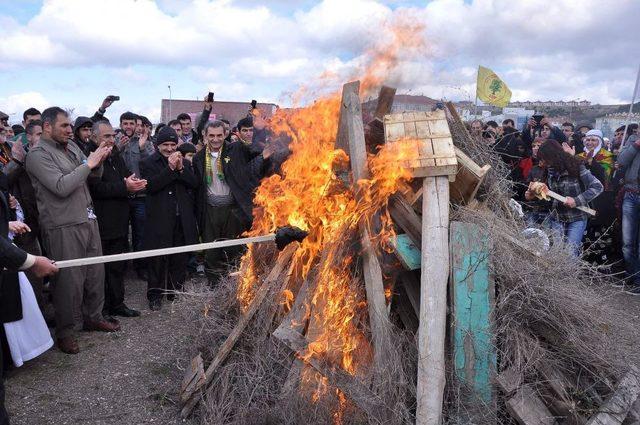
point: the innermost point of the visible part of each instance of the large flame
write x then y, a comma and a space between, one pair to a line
308, 193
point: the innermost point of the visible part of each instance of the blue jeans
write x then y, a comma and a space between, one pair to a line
572, 232
137, 218
630, 227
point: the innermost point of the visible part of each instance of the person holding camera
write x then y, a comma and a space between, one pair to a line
541, 126
170, 212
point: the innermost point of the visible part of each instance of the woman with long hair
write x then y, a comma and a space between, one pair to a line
567, 176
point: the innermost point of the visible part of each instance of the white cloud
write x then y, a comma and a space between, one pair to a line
15, 104
554, 49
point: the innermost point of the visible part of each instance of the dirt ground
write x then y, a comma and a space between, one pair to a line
132, 377
128, 377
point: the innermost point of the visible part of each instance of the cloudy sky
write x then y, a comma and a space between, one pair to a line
74, 52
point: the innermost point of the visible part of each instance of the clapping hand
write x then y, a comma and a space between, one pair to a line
134, 184
96, 157
175, 161
17, 151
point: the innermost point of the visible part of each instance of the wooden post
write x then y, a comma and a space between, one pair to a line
433, 300
472, 295
380, 325
342, 141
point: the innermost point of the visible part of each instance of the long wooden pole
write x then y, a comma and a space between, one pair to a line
633, 99
162, 251
433, 300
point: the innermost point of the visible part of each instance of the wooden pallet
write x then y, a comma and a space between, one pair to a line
429, 131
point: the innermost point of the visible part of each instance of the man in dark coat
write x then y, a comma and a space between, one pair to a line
229, 174
170, 215
21, 187
110, 196
12, 259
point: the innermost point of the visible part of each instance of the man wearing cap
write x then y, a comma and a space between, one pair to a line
59, 172
170, 213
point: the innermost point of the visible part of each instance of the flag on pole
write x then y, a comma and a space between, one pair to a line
491, 89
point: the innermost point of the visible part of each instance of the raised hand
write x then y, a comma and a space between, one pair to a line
96, 157
17, 151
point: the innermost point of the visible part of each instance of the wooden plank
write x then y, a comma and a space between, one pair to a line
472, 295
191, 399
406, 251
342, 141
405, 216
385, 101
194, 376
433, 300
361, 395
402, 304
376, 302
615, 409
411, 286
522, 401
527, 408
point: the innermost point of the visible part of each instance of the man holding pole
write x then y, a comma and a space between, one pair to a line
59, 172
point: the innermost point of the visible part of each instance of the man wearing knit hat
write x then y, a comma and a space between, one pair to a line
170, 215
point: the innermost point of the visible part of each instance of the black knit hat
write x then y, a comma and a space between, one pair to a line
166, 134
186, 148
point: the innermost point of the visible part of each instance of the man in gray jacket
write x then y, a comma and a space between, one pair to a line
629, 160
59, 172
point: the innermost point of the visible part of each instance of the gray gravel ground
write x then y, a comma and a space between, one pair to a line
130, 377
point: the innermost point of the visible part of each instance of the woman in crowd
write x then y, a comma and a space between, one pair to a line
594, 151
567, 176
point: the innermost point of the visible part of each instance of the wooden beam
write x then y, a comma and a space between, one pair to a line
191, 398
522, 401
385, 101
342, 141
376, 302
361, 395
405, 216
433, 300
615, 409
406, 251
472, 295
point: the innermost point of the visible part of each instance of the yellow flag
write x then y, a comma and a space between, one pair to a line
491, 89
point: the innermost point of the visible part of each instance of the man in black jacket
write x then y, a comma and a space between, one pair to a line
110, 197
228, 174
12, 259
169, 214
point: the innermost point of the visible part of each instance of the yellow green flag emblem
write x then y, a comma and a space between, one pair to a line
491, 89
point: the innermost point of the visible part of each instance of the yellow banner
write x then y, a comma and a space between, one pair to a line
491, 89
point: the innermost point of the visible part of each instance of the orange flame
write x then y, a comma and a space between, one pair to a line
309, 194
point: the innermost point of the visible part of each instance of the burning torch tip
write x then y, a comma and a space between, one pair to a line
287, 234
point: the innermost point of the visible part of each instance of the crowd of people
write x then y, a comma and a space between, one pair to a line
577, 162
85, 188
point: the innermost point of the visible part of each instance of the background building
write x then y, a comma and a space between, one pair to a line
231, 111
610, 122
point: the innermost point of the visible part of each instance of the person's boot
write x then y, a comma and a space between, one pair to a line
124, 311
68, 345
155, 305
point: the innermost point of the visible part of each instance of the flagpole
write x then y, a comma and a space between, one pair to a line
633, 99
475, 108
